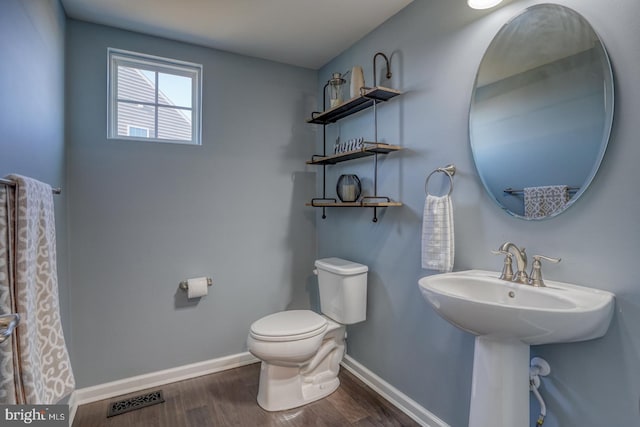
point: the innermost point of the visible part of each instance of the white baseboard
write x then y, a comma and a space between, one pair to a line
73, 407
154, 379
392, 394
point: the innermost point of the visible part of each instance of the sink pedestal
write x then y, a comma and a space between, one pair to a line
500, 385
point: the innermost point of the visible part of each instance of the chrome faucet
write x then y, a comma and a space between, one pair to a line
521, 261
521, 264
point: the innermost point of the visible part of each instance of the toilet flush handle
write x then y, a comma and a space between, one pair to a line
315, 271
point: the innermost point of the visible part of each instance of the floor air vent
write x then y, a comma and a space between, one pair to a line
135, 402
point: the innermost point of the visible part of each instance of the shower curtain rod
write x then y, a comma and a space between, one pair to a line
13, 184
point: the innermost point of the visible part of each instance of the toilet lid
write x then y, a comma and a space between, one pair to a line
289, 325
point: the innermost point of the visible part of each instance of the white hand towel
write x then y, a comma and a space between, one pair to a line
437, 234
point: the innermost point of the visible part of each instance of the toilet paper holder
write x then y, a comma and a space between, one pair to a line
184, 285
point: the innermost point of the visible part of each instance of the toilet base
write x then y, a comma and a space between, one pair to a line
284, 388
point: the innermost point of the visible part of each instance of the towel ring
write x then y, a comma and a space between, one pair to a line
448, 170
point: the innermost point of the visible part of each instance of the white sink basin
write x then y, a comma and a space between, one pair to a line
507, 318
480, 303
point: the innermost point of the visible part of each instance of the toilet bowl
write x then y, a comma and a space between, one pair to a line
301, 350
294, 371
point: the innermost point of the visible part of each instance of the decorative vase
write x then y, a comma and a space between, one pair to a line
348, 188
336, 82
357, 81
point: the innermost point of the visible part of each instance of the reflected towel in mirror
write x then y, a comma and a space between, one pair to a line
540, 202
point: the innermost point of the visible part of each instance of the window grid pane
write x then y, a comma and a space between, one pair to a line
136, 115
173, 124
174, 90
134, 85
154, 100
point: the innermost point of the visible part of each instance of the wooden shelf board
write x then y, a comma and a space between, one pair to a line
369, 149
354, 204
354, 105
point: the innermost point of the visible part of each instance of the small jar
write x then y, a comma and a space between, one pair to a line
348, 188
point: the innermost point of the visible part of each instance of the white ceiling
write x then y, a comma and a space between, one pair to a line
307, 33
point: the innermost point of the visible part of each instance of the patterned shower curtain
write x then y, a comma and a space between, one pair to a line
41, 370
7, 385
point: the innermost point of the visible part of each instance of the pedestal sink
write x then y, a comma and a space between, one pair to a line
507, 318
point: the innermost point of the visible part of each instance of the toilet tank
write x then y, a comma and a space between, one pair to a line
343, 289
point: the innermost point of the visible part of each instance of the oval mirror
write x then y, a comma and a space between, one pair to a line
541, 111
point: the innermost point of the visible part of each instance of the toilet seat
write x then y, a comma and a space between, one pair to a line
291, 325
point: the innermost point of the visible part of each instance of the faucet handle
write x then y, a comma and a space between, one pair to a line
536, 269
507, 269
546, 258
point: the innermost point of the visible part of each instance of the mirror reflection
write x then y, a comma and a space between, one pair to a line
541, 111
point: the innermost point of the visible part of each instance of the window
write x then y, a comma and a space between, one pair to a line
136, 131
153, 99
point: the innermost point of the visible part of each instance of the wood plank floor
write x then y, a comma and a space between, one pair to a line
228, 399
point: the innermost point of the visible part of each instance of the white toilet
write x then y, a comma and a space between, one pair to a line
301, 350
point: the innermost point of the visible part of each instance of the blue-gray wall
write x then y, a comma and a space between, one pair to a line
144, 216
32, 109
436, 47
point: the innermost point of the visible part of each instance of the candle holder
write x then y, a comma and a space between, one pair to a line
348, 188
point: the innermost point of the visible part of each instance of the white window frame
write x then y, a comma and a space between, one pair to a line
117, 57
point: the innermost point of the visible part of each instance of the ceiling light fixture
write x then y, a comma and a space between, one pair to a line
483, 4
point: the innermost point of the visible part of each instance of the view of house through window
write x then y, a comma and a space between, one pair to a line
153, 98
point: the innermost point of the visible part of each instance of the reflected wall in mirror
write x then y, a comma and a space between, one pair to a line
541, 111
